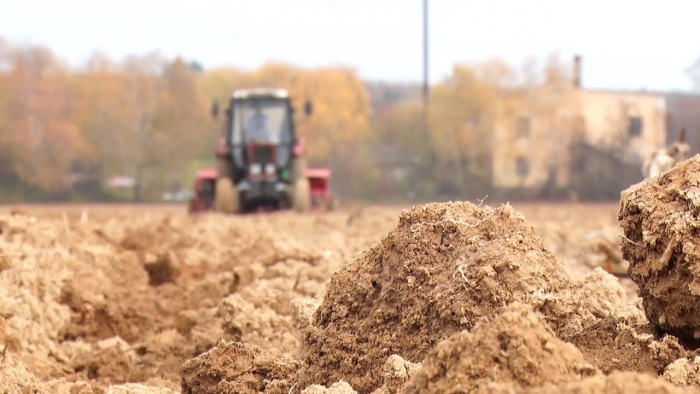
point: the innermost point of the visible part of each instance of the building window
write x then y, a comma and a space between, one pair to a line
522, 127
522, 166
635, 126
579, 128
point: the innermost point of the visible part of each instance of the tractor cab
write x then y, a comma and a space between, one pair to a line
261, 133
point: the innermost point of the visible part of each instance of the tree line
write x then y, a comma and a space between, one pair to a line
64, 130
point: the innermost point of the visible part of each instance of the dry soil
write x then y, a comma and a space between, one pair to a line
146, 300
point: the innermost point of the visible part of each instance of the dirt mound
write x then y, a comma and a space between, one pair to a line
616, 383
137, 388
31, 317
397, 372
303, 313
234, 367
340, 387
611, 331
445, 268
516, 350
659, 218
612, 344
442, 270
684, 372
14, 378
585, 302
256, 323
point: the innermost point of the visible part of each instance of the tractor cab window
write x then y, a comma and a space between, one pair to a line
257, 127
264, 120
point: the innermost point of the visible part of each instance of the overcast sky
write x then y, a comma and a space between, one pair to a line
625, 44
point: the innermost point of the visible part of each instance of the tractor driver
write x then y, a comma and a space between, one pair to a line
257, 126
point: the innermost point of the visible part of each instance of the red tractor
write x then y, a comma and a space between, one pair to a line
261, 160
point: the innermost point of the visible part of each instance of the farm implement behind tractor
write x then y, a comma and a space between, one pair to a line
205, 190
262, 162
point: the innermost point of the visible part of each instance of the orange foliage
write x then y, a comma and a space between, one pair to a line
40, 112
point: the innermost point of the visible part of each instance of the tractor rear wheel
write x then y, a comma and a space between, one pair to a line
299, 167
226, 196
301, 197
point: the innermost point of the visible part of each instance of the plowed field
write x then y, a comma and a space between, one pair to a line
441, 298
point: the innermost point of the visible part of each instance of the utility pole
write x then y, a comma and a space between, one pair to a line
426, 155
426, 91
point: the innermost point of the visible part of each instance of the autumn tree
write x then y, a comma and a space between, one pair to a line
40, 111
462, 117
402, 155
219, 84
101, 88
5, 148
181, 114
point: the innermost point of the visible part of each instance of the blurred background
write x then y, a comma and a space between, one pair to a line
414, 100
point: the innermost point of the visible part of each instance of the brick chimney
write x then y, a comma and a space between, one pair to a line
577, 71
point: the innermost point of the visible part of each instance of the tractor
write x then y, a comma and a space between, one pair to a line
261, 162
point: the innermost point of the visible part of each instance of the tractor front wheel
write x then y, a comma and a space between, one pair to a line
301, 199
226, 196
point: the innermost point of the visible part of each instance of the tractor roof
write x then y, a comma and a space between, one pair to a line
260, 92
